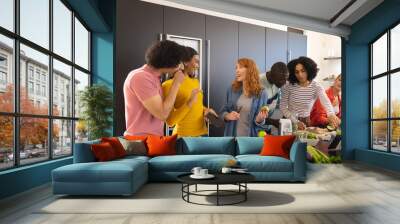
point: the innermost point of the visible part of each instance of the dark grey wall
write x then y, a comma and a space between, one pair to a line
138, 24
252, 44
176, 22
297, 45
184, 23
223, 38
276, 47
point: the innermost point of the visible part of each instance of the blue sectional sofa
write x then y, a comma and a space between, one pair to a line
125, 176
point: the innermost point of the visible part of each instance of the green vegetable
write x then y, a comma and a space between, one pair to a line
330, 128
311, 136
320, 157
335, 159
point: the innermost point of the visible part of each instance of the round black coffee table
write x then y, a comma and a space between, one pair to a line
238, 179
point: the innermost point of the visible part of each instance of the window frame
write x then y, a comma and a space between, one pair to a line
16, 114
3, 74
388, 74
5, 59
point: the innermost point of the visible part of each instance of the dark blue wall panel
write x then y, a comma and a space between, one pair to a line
25, 178
356, 84
379, 159
89, 11
103, 49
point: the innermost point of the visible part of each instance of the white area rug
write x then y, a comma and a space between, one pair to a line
166, 198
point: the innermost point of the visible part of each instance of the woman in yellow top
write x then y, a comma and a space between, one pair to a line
188, 115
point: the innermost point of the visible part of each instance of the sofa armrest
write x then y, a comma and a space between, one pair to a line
298, 157
83, 152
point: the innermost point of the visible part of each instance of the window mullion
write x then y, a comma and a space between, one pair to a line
16, 69
88, 56
371, 142
389, 101
50, 81
73, 82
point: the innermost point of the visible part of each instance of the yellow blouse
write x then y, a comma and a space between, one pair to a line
188, 121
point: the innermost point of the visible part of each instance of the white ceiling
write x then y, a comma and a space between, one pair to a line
319, 9
362, 11
314, 15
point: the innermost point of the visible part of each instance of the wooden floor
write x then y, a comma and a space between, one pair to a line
377, 188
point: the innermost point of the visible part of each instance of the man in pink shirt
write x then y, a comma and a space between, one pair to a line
145, 109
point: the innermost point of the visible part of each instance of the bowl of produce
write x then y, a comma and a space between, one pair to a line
308, 137
311, 142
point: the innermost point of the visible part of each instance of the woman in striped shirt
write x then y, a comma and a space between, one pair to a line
299, 95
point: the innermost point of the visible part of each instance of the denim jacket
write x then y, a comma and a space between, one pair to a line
257, 102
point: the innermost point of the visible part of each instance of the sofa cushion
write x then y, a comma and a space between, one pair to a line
112, 171
83, 152
142, 138
257, 163
277, 145
136, 137
134, 147
249, 145
185, 163
116, 145
93, 172
131, 158
104, 152
161, 145
206, 145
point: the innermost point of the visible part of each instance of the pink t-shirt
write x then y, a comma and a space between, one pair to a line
140, 85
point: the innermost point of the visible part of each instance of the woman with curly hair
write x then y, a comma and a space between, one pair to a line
188, 114
244, 99
300, 94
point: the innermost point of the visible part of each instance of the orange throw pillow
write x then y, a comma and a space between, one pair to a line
277, 145
116, 145
161, 145
103, 152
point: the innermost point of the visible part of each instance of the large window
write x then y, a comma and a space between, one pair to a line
385, 94
44, 64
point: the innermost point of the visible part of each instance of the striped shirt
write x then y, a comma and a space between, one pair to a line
297, 101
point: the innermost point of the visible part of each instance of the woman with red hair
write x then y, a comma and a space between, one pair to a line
245, 98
